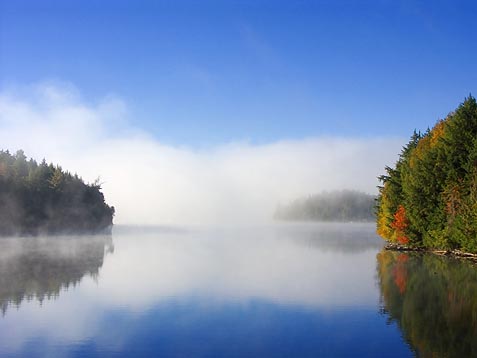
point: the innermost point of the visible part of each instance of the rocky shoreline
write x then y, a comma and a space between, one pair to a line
451, 253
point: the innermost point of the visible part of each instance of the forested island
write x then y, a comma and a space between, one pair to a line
343, 205
429, 199
44, 199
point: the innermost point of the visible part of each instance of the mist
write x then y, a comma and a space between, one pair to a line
154, 183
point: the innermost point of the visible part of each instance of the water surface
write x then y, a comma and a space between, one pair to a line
271, 291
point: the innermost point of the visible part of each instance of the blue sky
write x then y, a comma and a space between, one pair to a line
203, 73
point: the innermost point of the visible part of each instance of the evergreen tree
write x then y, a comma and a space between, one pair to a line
434, 186
44, 199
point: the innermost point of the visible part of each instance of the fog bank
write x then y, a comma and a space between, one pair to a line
149, 182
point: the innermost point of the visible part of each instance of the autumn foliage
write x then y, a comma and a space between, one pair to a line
429, 198
400, 224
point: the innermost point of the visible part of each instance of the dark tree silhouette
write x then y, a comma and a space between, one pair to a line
43, 199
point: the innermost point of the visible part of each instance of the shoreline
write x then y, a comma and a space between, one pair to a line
449, 253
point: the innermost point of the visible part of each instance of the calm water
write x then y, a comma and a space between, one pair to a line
283, 290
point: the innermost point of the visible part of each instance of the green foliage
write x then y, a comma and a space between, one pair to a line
435, 181
346, 205
44, 199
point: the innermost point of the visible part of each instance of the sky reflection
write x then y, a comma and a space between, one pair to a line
200, 285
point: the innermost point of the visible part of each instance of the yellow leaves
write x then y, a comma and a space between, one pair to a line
426, 143
384, 215
420, 151
437, 132
383, 229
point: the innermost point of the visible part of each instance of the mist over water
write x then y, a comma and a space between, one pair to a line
208, 260
195, 291
150, 182
285, 264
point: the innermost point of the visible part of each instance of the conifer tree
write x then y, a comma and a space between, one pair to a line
433, 187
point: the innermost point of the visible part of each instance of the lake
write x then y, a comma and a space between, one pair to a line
284, 290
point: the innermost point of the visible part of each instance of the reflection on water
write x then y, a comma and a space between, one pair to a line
282, 290
434, 301
337, 237
311, 264
39, 268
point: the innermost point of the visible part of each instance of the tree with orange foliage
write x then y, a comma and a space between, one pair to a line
400, 224
429, 198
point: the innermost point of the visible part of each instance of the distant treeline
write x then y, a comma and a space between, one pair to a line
429, 199
43, 199
344, 205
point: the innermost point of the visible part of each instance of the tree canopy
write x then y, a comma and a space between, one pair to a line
44, 199
429, 199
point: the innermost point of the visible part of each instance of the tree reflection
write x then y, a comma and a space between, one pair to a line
41, 268
433, 299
